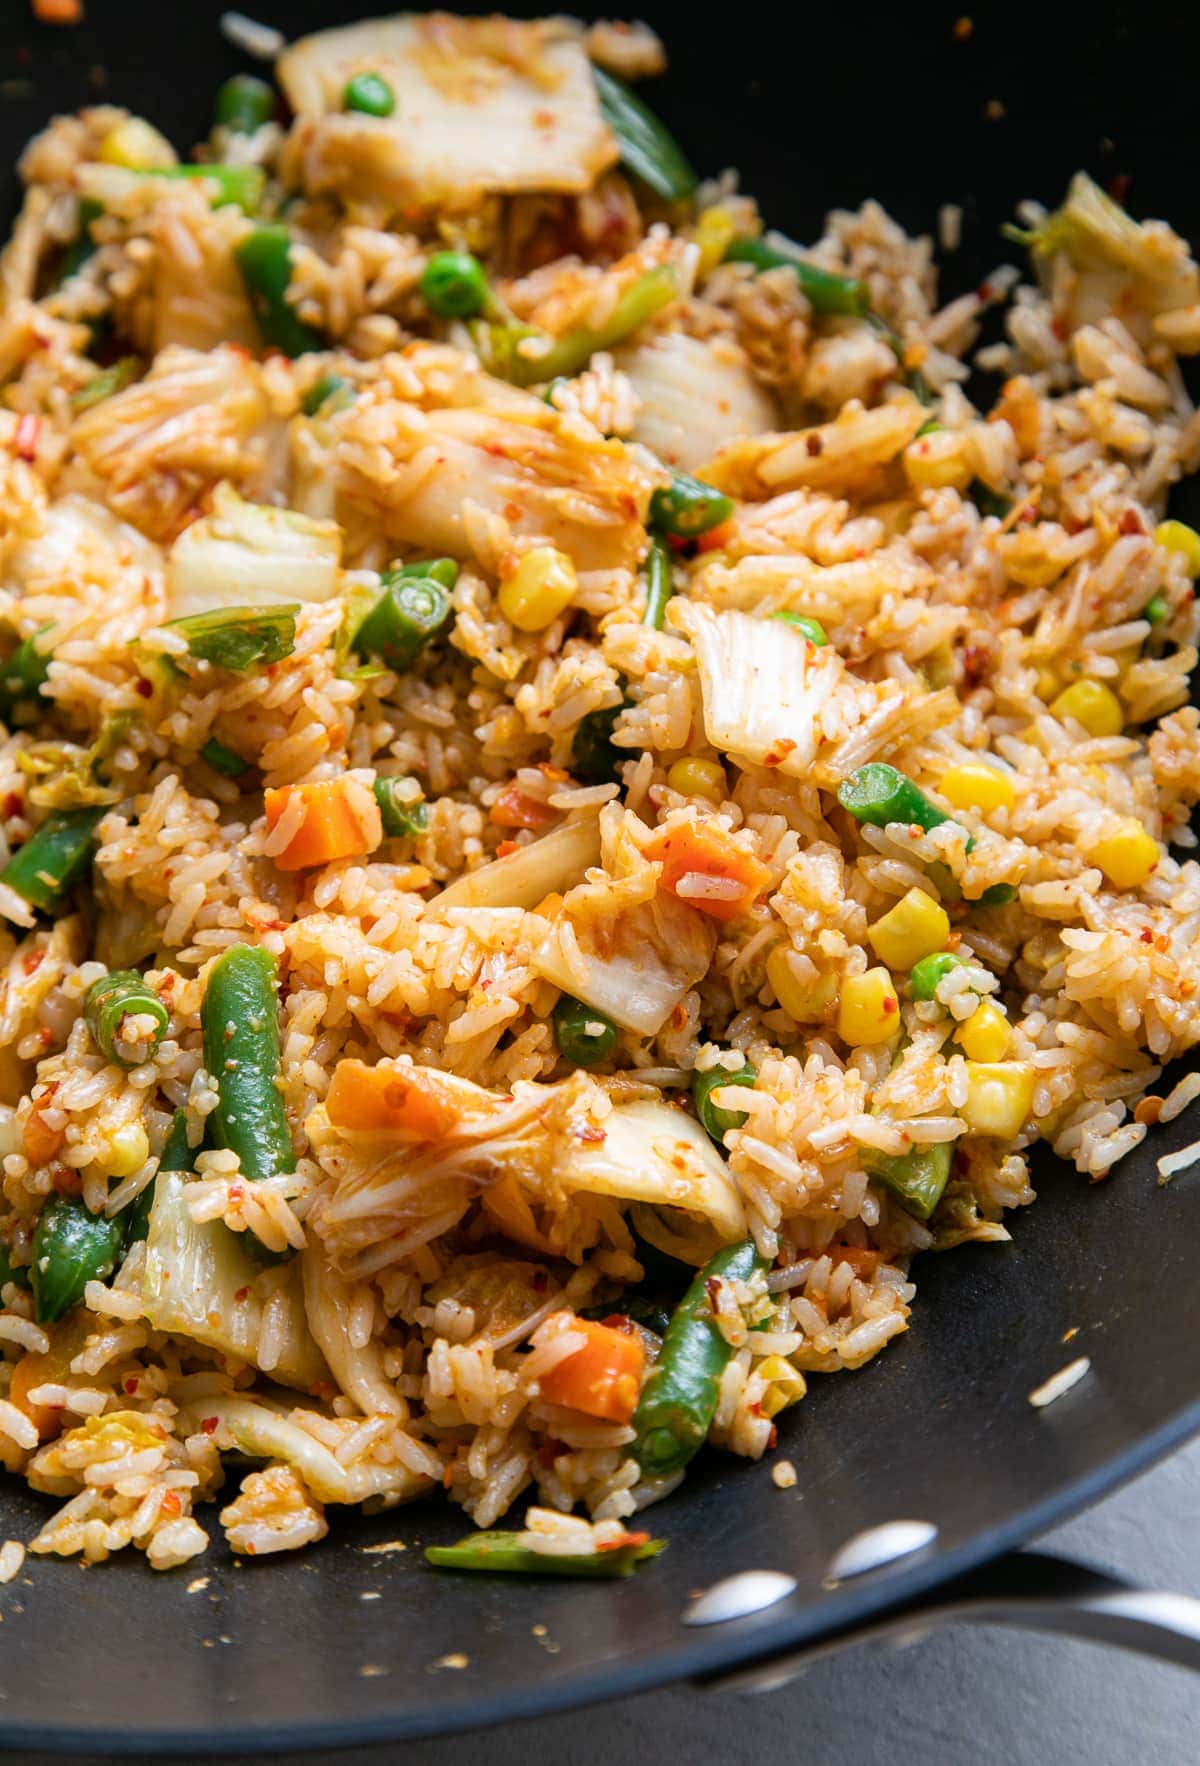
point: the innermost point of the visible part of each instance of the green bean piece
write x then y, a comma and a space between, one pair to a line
825, 290
113, 998
239, 1017
652, 1315
689, 507
1156, 609
71, 1247
237, 638
10, 1271
242, 186
398, 816
917, 1178
223, 760
988, 501
25, 673
109, 381
584, 1035
454, 285
660, 585
264, 258
678, 1399
54, 858
370, 94
812, 629
504, 1552
648, 149
595, 757
564, 357
410, 612
83, 246
332, 393
243, 104
925, 977
438, 570
996, 895
878, 794
176, 1155
713, 1120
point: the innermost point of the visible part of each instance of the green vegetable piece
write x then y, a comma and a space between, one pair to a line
25, 673
454, 286
333, 392
370, 94
10, 1271
264, 258
660, 585
564, 357
500, 1551
176, 1155
715, 1121
824, 290
410, 612
689, 508
242, 186
223, 760
988, 501
917, 1178
595, 757
652, 1315
106, 383
238, 638
583, 1035
648, 149
112, 999
243, 104
438, 570
1156, 609
677, 1403
878, 794
925, 977
996, 895
239, 1018
71, 1247
54, 858
813, 630
83, 246
399, 818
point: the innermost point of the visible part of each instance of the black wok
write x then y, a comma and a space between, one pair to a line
819, 106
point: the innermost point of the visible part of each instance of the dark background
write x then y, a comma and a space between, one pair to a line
819, 106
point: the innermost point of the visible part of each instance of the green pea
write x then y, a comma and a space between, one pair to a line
926, 977
583, 1034
1156, 609
370, 94
714, 1120
453, 285
243, 104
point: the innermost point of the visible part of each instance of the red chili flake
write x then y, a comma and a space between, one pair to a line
13, 804
131, 1385
1118, 186
1059, 328
976, 660
143, 687
28, 430
241, 1294
507, 846
814, 445
1146, 936
772, 1438
171, 1503
209, 1425
890, 1005
540, 1278
590, 1136
1131, 522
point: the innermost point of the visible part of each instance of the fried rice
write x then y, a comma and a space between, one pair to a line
568, 796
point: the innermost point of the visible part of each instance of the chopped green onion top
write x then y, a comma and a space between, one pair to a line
333, 392
226, 761
106, 383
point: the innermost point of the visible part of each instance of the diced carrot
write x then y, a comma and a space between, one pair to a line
717, 538
41, 1141
515, 809
51, 1369
412, 1103
337, 818
58, 12
603, 1378
708, 869
862, 1260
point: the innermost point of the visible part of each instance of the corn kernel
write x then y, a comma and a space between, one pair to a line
695, 777
807, 1001
1127, 855
538, 589
786, 1385
999, 1097
909, 931
714, 232
986, 1034
137, 145
1049, 682
937, 460
1093, 705
1177, 536
128, 1151
975, 785
868, 1010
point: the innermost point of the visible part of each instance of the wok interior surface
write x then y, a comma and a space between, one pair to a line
816, 110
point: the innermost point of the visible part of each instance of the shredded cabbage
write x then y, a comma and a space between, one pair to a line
634, 967
261, 1432
249, 555
695, 397
524, 878
1095, 231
